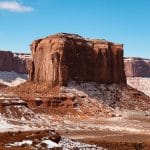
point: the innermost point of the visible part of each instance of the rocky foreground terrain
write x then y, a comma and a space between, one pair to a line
86, 112
66, 104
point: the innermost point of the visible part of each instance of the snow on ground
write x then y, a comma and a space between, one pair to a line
6, 126
27, 120
141, 84
28, 142
105, 95
12, 78
39, 122
64, 143
68, 144
50, 144
16, 125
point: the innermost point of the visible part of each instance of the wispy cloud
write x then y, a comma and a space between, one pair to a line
14, 6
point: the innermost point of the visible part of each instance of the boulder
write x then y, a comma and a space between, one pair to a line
62, 57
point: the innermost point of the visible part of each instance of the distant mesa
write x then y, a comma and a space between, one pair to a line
137, 67
14, 61
62, 57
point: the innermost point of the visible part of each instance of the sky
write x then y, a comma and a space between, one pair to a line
120, 21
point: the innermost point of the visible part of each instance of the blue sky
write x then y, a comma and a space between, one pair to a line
120, 21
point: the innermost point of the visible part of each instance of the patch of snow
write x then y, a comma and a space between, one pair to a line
68, 144
22, 118
28, 142
64, 144
104, 94
50, 144
4, 126
141, 84
7, 125
12, 78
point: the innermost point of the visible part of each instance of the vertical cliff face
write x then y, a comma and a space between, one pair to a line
109, 62
137, 67
63, 57
6, 61
14, 62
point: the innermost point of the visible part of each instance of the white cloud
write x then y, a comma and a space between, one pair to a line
14, 6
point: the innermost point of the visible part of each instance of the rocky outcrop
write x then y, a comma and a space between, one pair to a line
62, 57
137, 67
14, 62
13, 107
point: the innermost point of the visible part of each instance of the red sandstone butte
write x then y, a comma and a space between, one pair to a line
62, 57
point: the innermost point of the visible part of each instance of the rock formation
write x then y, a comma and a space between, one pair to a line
62, 57
14, 62
137, 67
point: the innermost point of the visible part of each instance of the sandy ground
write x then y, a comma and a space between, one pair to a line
114, 133
112, 140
